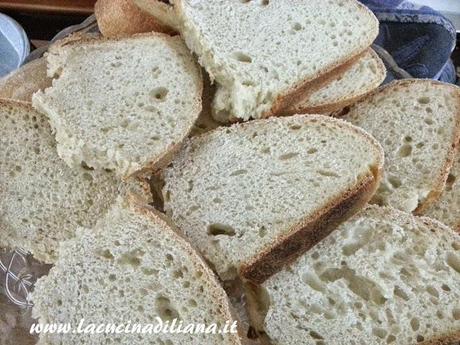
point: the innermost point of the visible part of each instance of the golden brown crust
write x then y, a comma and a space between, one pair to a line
451, 339
310, 231
440, 181
118, 18
327, 108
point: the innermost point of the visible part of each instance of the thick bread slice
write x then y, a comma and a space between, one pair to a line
253, 196
447, 208
384, 277
24, 82
418, 124
138, 97
364, 76
131, 268
117, 18
42, 200
263, 54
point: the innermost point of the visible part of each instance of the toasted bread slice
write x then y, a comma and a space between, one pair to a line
132, 268
363, 77
253, 196
384, 277
138, 98
418, 124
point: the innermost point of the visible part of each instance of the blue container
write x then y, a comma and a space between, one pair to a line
14, 45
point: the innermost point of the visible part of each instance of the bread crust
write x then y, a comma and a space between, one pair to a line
451, 339
310, 231
324, 108
118, 18
440, 182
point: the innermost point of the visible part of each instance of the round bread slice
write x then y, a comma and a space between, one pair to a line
384, 277
253, 196
42, 200
123, 104
132, 268
418, 124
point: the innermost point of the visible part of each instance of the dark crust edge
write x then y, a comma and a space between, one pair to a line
310, 231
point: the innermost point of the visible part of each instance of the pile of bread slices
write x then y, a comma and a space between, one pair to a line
229, 160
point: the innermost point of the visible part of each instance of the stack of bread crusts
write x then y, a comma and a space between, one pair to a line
234, 160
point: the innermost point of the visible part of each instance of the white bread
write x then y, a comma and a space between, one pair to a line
131, 267
264, 54
384, 277
253, 196
418, 124
138, 97
42, 200
117, 18
447, 208
23, 83
363, 77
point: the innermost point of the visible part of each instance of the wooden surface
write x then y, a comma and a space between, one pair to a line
50, 6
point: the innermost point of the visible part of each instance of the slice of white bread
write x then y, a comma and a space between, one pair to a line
42, 200
418, 124
264, 54
383, 277
253, 196
123, 105
132, 267
24, 82
363, 77
117, 18
447, 208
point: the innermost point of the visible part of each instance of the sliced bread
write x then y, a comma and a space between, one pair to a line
116, 18
384, 277
123, 105
363, 77
42, 200
264, 54
253, 196
24, 82
418, 124
131, 268
447, 208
